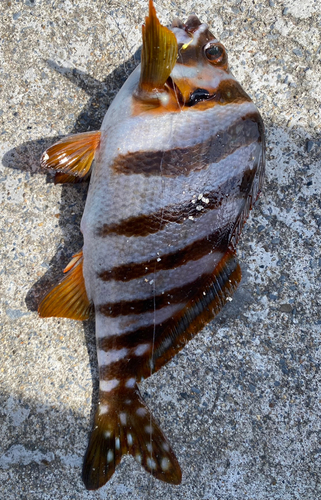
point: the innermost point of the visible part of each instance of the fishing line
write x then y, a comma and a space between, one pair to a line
155, 267
154, 308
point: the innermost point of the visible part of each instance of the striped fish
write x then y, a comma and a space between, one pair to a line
179, 162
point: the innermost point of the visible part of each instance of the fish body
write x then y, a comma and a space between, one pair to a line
179, 162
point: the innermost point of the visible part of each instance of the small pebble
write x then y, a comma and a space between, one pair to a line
297, 52
286, 308
309, 145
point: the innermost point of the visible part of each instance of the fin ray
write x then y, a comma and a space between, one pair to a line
254, 191
61, 178
134, 431
72, 155
205, 305
69, 298
159, 53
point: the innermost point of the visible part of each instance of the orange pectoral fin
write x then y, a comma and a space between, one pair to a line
69, 298
61, 178
72, 155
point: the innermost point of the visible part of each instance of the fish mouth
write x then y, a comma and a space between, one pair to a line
196, 96
190, 26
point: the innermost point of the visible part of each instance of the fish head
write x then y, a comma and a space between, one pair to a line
183, 67
202, 62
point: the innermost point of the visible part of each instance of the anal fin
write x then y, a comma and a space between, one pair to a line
69, 298
123, 424
72, 155
202, 308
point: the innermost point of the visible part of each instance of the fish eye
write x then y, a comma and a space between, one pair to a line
214, 53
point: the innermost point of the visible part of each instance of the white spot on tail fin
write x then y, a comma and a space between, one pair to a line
141, 411
165, 463
117, 443
103, 409
151, 463
123, 418
149, 447
165, 446
138, 458
141, 349
108, 385
110, 456
130, 382
107, 434
148, 429
111, 356
129, 439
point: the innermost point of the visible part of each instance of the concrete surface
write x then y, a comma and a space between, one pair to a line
241, 403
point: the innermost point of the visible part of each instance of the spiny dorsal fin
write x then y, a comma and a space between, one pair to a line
69, 298
159, 53
72, 155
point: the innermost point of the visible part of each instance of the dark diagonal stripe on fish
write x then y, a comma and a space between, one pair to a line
183, 161
207, 299
143, 225
176, 295
219, 240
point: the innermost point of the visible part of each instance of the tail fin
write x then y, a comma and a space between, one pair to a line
125, 425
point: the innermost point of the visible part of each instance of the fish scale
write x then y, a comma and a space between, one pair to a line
179, 162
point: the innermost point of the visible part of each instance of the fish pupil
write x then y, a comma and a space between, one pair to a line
214, 52
197, 96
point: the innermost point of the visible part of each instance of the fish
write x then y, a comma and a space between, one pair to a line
174, 171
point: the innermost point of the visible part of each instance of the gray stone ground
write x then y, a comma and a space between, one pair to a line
241, 403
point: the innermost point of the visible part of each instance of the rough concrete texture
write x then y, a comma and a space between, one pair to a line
241, 403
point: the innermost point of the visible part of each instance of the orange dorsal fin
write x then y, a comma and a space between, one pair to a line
72, 155
159, 53
69, 298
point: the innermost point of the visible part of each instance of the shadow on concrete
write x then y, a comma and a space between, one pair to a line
26, 157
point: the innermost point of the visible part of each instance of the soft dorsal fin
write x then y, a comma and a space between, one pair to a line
201, 301
72, 155
69, 298
202, 308
159, 53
